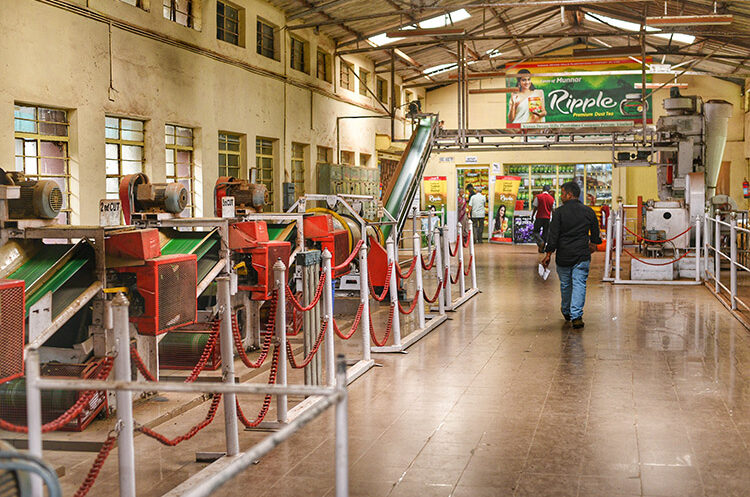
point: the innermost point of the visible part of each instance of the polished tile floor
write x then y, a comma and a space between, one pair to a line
649, 399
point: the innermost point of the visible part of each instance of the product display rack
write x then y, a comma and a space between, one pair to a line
595, 181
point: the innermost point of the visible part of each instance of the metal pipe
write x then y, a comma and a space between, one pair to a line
717, 257
328, 295
608, 249
279, 272
733, 262
18, 461
472, 259
697, 248
618, 243
461, 279
390, 246
439, 262
447, 290
417, 249
342, 430
124, 398
364, 300
34, 415
226, 343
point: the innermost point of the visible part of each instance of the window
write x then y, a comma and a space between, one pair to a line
266, 40
325, 155
364, 81
41, 140
180, 11
382, 90
230, 22
297, 54
364, 160
324, 66
345, 79
346, 158
230, 155
143, 4
264, 163
298, 169
397, 95
179, 160
123, 151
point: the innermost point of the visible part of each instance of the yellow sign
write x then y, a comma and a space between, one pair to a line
506, 191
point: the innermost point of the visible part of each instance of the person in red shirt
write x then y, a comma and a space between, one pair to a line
543, 205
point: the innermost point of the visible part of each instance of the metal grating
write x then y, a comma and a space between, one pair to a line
11, 329
176, 293
182, 349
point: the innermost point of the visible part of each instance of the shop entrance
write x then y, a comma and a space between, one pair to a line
479, 177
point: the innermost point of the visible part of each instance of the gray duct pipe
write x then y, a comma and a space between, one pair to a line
717, 114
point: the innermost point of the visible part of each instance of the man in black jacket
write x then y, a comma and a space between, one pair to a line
574, 235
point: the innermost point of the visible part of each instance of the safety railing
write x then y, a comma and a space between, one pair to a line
125, 426
722, 237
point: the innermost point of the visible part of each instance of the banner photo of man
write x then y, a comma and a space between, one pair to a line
596, 92
506, 191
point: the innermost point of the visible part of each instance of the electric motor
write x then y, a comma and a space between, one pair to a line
169, 197
41, 199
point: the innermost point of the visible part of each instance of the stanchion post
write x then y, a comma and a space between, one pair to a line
328, 296
461, 262
124, 398
706, 242
440, 271
447, 264
224, 299
420, 284
733, 260
472, 259
34, 415
430, 231
697, 248
364, 301
618, 243
279, 274
717, 251
608, 249
342, 431
393, 259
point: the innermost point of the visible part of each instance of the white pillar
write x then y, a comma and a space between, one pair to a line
279, 273
224, 299
34, 415
618, 243
124, 398
461, 261
608, 249
472, 259
733, 261
420, 284
342, 431
706, 242
440, 271
390, 245
447, 265
717, 257
364, 300
328, 316
697, 248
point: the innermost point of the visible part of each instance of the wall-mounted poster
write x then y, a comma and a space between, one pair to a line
435, 193
506, 190
596, 92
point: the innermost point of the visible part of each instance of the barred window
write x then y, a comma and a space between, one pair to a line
298, 169
364, 160
124, 145
382, 90
345, 79
179, 160
179, 11
364, 81
324, 66
325, 155
229, 23
266, 40
297, 54
230, 154
346, 157
264, 163
41, 143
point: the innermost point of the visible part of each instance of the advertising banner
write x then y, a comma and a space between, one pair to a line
506, 191
435, 192
606, 96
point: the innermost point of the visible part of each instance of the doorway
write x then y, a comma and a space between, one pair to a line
479, 177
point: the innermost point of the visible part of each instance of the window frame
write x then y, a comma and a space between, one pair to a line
344, 69
224, 138
174, 147
261, 159
298, 168
350, 157
328, 152
261, 49
381, 86
120, 143
298, 62
327, 66
170, 11
221, 30
364, 81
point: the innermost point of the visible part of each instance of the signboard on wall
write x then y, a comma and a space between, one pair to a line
506, 191
607, 96
435, 193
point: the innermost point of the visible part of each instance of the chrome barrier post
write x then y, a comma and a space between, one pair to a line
472, 259
125, 447
608, 249
618, 243
279, 272
439, 262
390, 245
447, 264
364, 300
34, 415
420, 284
342, 431
430, 231
224, 299
717, 257
328, 296
733, 260
461, 262
706, 242
697, 248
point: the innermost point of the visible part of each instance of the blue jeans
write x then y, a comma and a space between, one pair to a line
573, 288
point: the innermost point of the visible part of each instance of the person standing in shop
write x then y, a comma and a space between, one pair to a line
543, 204
574, 235
477, 203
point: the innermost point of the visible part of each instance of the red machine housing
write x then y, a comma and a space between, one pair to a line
163, 296
377, 264
136, 244
319, 229
251, 237
12, 328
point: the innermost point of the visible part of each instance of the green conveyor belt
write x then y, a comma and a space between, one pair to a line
34, 268
57, 280
274, 233
196, 246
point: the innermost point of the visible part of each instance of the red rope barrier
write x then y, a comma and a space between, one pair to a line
656, 241
654, 263
191, 432
350, 258
388, 328
412, 266
383, 295
266, 400
266, 345
96, 468
354, 327
314, 301
437, 294
468, 266
411, 308
83, 401
466, 243
207, 351
316, 346
140, 364
458, 273
429, 266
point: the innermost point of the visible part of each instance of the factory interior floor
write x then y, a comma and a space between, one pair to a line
649, 399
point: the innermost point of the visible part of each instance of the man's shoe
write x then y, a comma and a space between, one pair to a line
567, 317
578, 323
